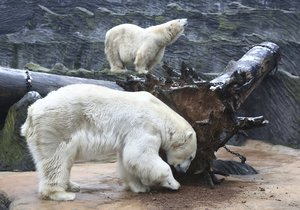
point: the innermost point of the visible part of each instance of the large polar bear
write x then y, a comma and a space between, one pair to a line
127, 44
80, 122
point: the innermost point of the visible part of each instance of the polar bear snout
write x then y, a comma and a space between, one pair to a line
183, 167
183, 21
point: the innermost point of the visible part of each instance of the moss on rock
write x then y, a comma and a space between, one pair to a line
36, 67
226, 24
14, 154
10, 151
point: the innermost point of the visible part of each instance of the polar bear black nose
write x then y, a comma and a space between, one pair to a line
183, 21
178, 168
181, 169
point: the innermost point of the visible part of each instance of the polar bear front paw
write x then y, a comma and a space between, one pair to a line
138, 188
118, 70
62, 196
141, 70
171, 184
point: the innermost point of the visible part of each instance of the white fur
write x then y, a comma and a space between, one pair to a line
143, 47
81, 122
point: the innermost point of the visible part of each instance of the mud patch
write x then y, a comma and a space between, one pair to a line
189, 197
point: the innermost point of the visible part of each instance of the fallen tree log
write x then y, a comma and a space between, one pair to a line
210, 106
14, 84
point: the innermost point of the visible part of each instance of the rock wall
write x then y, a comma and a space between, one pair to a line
278, 99
71, 32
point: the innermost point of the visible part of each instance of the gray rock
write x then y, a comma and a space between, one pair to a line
278, 99
14, 154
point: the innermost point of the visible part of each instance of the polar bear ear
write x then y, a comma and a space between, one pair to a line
187, 138
188, 135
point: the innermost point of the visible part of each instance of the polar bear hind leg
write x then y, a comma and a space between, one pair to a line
54, 170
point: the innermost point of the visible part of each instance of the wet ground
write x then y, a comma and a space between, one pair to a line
277, 186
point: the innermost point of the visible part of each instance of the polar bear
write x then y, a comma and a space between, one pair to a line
83, 122
143, 47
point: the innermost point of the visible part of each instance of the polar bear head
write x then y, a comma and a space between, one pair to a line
175, 28
182, 150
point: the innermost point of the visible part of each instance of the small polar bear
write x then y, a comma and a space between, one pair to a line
143, 47
83, 122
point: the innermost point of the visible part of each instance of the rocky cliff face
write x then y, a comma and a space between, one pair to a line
71, 32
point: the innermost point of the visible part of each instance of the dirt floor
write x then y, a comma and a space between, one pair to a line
277, 186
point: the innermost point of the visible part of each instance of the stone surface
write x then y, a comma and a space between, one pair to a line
275, 187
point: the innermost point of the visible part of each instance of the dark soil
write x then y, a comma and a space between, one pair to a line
188, 197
